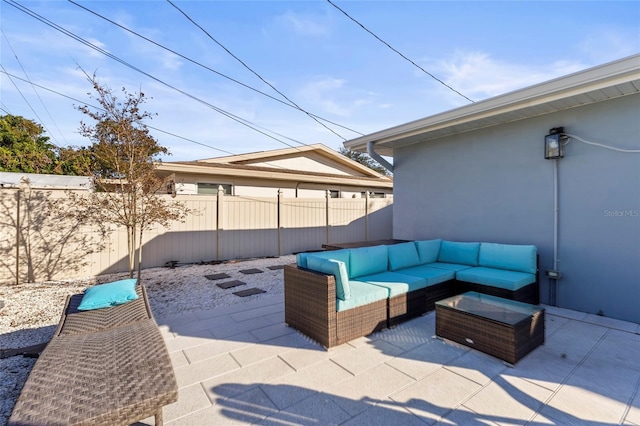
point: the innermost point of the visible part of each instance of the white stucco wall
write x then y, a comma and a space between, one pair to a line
495, 185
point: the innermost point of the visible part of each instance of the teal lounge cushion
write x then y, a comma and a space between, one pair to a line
509, 280
511, 257
367, 261
396, 283
430, 274
455, 267
333, 267
361, 294
108, 295
403, 255
428, 250
462, 253
341, 255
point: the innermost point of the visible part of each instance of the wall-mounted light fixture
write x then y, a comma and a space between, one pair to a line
553, 144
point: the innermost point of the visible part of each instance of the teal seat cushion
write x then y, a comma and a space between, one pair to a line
108, 295
367, 261
395, 283
403, 255
462, 253
428, 250
341, 255
512, 257
333, 267
361, 294
455, 267
430, 274
509, 280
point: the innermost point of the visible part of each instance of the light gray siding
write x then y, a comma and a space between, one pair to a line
495, 185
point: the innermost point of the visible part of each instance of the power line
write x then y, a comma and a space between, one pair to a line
30, 106
399, 53
208, 68
101, 109
35, 91
254, 72
236, 118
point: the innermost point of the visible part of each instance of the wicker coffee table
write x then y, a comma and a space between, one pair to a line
499, 327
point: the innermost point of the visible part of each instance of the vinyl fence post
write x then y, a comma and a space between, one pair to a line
366, 215
219, 208
279, 221
18, 236
327, 196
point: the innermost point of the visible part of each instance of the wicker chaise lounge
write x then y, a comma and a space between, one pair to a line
102, 367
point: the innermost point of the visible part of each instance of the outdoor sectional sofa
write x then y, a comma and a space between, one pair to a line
337, 296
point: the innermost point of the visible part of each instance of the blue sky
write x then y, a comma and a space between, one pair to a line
308, 50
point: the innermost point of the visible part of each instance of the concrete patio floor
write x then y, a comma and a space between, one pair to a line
242, 365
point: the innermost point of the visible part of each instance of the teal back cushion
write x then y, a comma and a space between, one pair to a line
367, 261
403, 255
107, 295
428, 250
332, 267
521, 258
341, 255
461, 253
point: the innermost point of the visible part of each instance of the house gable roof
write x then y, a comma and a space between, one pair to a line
608, 81
265, 165
317, 153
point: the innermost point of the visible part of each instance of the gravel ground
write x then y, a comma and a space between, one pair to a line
29, 313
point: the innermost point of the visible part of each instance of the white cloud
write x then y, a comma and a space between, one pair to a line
608, 45
479, 76
304, 25
333, 96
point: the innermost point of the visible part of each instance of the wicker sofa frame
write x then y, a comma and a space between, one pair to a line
310, 305
102, 367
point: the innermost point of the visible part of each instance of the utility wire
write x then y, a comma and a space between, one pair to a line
240, 120
101, 109
208, 68
254, 72
35, 91
30, 106
399, 53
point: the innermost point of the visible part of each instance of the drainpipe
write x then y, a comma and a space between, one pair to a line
378, 157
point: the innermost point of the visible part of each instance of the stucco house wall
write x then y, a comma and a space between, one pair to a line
493, 184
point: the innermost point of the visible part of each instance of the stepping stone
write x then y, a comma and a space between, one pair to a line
230, 284
252, 271
275, 267
249, 292
217, 276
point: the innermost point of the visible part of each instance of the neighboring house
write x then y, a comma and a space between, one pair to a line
478, 173
301, 172
42, 181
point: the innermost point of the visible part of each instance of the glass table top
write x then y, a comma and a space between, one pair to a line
491, 307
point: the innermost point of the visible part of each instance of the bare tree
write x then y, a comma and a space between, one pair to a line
125, 157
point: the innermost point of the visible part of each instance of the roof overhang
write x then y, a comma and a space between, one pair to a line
271, 174
608, 81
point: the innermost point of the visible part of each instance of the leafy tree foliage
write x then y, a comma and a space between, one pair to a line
124, 159
25, 149
365, 160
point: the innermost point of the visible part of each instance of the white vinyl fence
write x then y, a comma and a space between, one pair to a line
37, 244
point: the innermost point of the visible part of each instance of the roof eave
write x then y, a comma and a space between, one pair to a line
499, 109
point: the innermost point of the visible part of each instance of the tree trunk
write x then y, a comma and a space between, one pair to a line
139, 254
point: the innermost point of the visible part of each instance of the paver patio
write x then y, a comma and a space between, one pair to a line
241, 365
